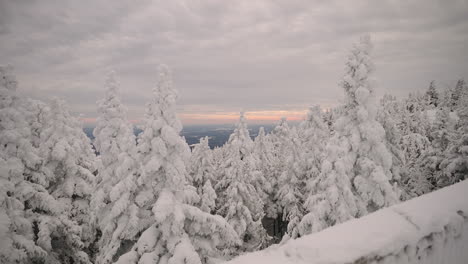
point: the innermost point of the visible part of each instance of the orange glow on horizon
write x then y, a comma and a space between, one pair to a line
231, 117
228, 117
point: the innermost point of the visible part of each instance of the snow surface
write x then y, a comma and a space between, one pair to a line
432, 228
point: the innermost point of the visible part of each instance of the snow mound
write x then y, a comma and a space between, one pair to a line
432, 228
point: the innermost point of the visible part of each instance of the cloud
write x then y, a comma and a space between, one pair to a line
256, 55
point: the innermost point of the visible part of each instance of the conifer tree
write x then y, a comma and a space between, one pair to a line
18, 161
355, 177
442, 134
239, 202
117, 214
176, 231
292, 182
390, 117
457, 93
432, 96
44, 197
263, 150
313, 134
455, 164
202, 173
68, 164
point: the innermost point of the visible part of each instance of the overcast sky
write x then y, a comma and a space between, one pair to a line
260, 56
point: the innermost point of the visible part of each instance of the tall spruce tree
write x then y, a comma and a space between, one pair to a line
355, 177
117, 214
177, 231
238, 199
46, 177
201, 170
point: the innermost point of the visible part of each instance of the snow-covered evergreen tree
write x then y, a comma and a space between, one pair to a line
68, 165
176, 231
292, 180
280, 138
46, 177
263, 150
442, 134
432, 96
313, 134
355, 177
238, 199
414, 117
201, 169
390, 116
117, 214
457, 93
19, 160
455, 165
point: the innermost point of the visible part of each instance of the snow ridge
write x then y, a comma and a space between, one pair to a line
432, 228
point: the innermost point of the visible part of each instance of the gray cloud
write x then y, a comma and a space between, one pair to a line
228, 55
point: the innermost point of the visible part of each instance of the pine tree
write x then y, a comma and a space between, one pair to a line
44, 198
292, 181
432, 96
280, 138
201, 170
263, 151
442, 134
355, 176
69, 163
18, 161
390, 116
117, 214
415, 128
313, 134
455, 164
457, 93
239, 202
177, 232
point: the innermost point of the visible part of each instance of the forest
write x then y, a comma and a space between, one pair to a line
152, 199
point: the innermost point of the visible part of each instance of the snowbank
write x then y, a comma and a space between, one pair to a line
429, 229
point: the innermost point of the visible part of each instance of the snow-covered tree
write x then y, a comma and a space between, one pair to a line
238, 199
292, 181
280, 139
355, 177
390, 116
68, 165
313, 135
263, 150
175, 231
442, 133
457, 93
432, 96
455, 165
117, 214
45, 181
18, 161
414, 116
201, 170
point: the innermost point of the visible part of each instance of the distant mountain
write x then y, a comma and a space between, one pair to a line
218, 134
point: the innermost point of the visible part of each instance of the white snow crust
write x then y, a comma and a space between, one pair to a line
432, 228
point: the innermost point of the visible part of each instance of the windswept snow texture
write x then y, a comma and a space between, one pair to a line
429, 229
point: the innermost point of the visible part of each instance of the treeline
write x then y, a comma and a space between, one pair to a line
150, 199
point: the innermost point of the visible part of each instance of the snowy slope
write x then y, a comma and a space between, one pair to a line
432, 228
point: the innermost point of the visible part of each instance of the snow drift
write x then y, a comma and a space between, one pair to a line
432, 228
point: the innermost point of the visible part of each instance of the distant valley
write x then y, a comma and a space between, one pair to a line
218, 134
